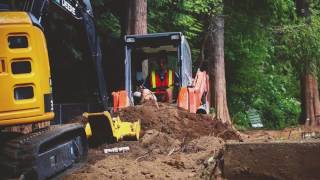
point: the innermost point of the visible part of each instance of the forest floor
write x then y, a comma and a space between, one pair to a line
174, 145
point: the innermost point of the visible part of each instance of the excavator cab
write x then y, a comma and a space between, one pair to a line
24, 71
142, 57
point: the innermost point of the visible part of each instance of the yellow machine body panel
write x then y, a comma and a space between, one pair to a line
25, 89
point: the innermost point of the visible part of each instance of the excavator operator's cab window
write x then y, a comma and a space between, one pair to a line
16, 42
21, 67
24, 92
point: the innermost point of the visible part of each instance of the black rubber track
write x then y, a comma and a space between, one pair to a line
29, 156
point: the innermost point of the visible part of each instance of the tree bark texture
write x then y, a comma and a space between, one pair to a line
217, 70
137, 17
302, 8
310, 104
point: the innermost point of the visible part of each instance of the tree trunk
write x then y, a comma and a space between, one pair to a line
217, 70
302, 8
310, 103
137, 17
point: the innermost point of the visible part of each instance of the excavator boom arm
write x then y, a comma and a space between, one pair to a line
80, 11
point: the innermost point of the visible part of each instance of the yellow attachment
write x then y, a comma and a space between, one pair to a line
102, 126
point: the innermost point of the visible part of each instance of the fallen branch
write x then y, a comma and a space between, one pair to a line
172, 151
143, 156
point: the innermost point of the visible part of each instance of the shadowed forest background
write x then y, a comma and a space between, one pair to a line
269, 47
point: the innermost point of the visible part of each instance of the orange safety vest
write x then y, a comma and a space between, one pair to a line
157, 83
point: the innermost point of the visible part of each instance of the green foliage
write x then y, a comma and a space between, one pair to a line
241, 120
267, 47
189, 17
275, 102
203, 7
257, 75
109, 24
301, 45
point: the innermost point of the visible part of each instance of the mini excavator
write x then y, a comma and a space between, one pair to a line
141, 51
26, 94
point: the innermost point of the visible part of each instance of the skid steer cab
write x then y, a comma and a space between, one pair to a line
161, 63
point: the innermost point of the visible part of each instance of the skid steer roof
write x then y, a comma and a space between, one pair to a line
154, 40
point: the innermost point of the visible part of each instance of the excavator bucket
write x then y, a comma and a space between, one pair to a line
101, 127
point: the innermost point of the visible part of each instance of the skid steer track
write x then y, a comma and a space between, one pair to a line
44, 153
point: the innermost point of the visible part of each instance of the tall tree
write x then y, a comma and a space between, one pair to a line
136, 17
217, 69
310, 104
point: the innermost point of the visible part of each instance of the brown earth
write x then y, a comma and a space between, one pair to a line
281, 159
291, 153
175, 145
177, 123
178, 145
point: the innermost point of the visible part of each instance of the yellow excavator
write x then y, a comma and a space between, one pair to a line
31, 148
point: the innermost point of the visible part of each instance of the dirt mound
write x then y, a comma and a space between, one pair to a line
156, 156
178, 145
175, 144
158, 142
177, 123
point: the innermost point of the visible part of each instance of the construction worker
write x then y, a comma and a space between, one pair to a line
163, 80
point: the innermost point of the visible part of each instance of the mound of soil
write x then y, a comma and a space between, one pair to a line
156, 156
177, 123
175, 144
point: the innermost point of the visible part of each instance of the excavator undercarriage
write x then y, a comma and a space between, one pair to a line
43, 153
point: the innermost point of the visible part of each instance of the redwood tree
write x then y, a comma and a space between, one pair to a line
310, 104
217, 69
136, 20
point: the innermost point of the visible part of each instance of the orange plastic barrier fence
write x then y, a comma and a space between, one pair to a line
194, 100
120, 100
183, 97
115, 96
